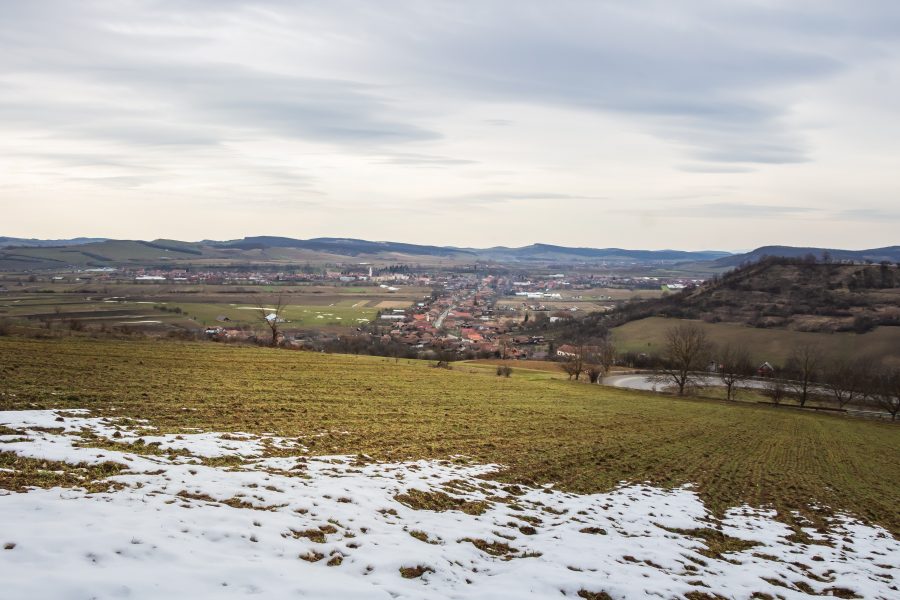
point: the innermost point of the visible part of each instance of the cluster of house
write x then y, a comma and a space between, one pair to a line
460, 317
462, 314
548, 286
362, 273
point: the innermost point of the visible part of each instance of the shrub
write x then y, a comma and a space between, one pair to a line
863, 323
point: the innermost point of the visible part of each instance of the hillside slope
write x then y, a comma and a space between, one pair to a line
781, 297
788, 294
582, 438
889, 253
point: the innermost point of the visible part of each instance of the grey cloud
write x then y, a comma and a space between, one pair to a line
715, 80
115, 181
205, 105
424, 160
85, 159
713, 168
868, 214
677, 71
728, 210
280, 202
495, 198
194, 101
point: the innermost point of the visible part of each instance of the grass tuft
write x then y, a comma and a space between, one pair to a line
414, 572
439, 501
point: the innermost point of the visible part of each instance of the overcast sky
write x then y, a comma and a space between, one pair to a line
641, 124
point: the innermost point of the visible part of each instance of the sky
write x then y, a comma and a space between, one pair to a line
696, 124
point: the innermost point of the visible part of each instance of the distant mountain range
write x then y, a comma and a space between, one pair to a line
343, 246
18, 253
355, 247
34, 243
563, 253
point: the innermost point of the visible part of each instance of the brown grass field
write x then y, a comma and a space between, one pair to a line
307, 306
583, 438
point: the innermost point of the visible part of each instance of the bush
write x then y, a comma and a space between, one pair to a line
864, 323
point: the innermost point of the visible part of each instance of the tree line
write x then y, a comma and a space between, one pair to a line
689, 359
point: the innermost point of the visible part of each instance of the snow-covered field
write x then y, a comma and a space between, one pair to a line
334, 527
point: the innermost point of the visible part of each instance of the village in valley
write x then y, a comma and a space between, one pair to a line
467, 311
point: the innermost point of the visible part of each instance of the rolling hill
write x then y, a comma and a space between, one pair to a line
550, 252
19, 253
769, 306
790, 294
889, 253
344, 246
6, 242
283, 250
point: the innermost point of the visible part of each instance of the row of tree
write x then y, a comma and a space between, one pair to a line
690, 358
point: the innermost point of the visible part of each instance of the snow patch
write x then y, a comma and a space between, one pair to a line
333, 527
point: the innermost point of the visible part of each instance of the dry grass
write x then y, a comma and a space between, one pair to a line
584, 438
18, 473
533, 365
439, 501
414, 572
717, 543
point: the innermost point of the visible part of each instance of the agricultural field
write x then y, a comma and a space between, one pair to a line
163, 307
531, 365
366, 477
341, 313
584, 438
773, 345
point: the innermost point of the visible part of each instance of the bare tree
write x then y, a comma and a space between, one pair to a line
592, 357
886, 390
687, 349
775, 389
847, 380
599, 356
803, 369
573, 365
604, 356
736, 367
272, 317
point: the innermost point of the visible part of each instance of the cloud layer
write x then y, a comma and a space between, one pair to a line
406, 115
